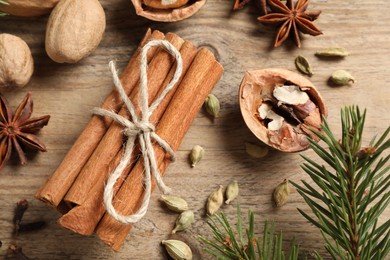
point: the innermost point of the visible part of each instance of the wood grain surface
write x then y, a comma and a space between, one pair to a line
69, 92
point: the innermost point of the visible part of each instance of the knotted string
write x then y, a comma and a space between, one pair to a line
140, 127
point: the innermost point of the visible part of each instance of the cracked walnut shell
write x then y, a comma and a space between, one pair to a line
281, 108
167, 10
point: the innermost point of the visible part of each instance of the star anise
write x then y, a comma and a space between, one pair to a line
291, 19
16, 129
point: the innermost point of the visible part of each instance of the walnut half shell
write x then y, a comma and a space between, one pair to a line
167, 15
281, 108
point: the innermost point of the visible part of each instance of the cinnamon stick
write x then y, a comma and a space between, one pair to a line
94, 170
201, 77
83, 219
56, 186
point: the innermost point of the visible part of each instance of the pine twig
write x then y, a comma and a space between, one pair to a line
4, 3
238, 244
353, 190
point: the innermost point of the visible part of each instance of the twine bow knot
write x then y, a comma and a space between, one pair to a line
140, 128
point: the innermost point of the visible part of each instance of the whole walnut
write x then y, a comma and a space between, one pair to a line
74, 29
28, 7
16, 62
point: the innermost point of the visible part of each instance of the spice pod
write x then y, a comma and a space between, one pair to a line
167, 11
281, 108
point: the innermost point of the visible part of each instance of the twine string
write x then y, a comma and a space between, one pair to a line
140, 128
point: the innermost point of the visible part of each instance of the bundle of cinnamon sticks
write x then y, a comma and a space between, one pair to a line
76, 188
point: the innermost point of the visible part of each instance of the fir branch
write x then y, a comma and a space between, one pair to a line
228, 244
4, 3
354, 185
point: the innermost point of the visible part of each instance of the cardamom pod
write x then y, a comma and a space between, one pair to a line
303, 65
281, 193
255, 150
341, 77
174, 203
214, 201
212, 105
177, 249
184, 221
231, 191
333, 52
196, 155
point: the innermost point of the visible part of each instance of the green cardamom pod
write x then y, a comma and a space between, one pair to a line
231, 191
214, 201
196, 155
177, 249
212, 105
184, 221
303, 65
255, 150
341, 77
333, 52
281, 193
174, 203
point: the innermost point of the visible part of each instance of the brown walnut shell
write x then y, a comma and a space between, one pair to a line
28, 7
168, 15
158, 4
74, 29
257, 88
16, 62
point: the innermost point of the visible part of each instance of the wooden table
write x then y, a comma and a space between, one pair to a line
69, 92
